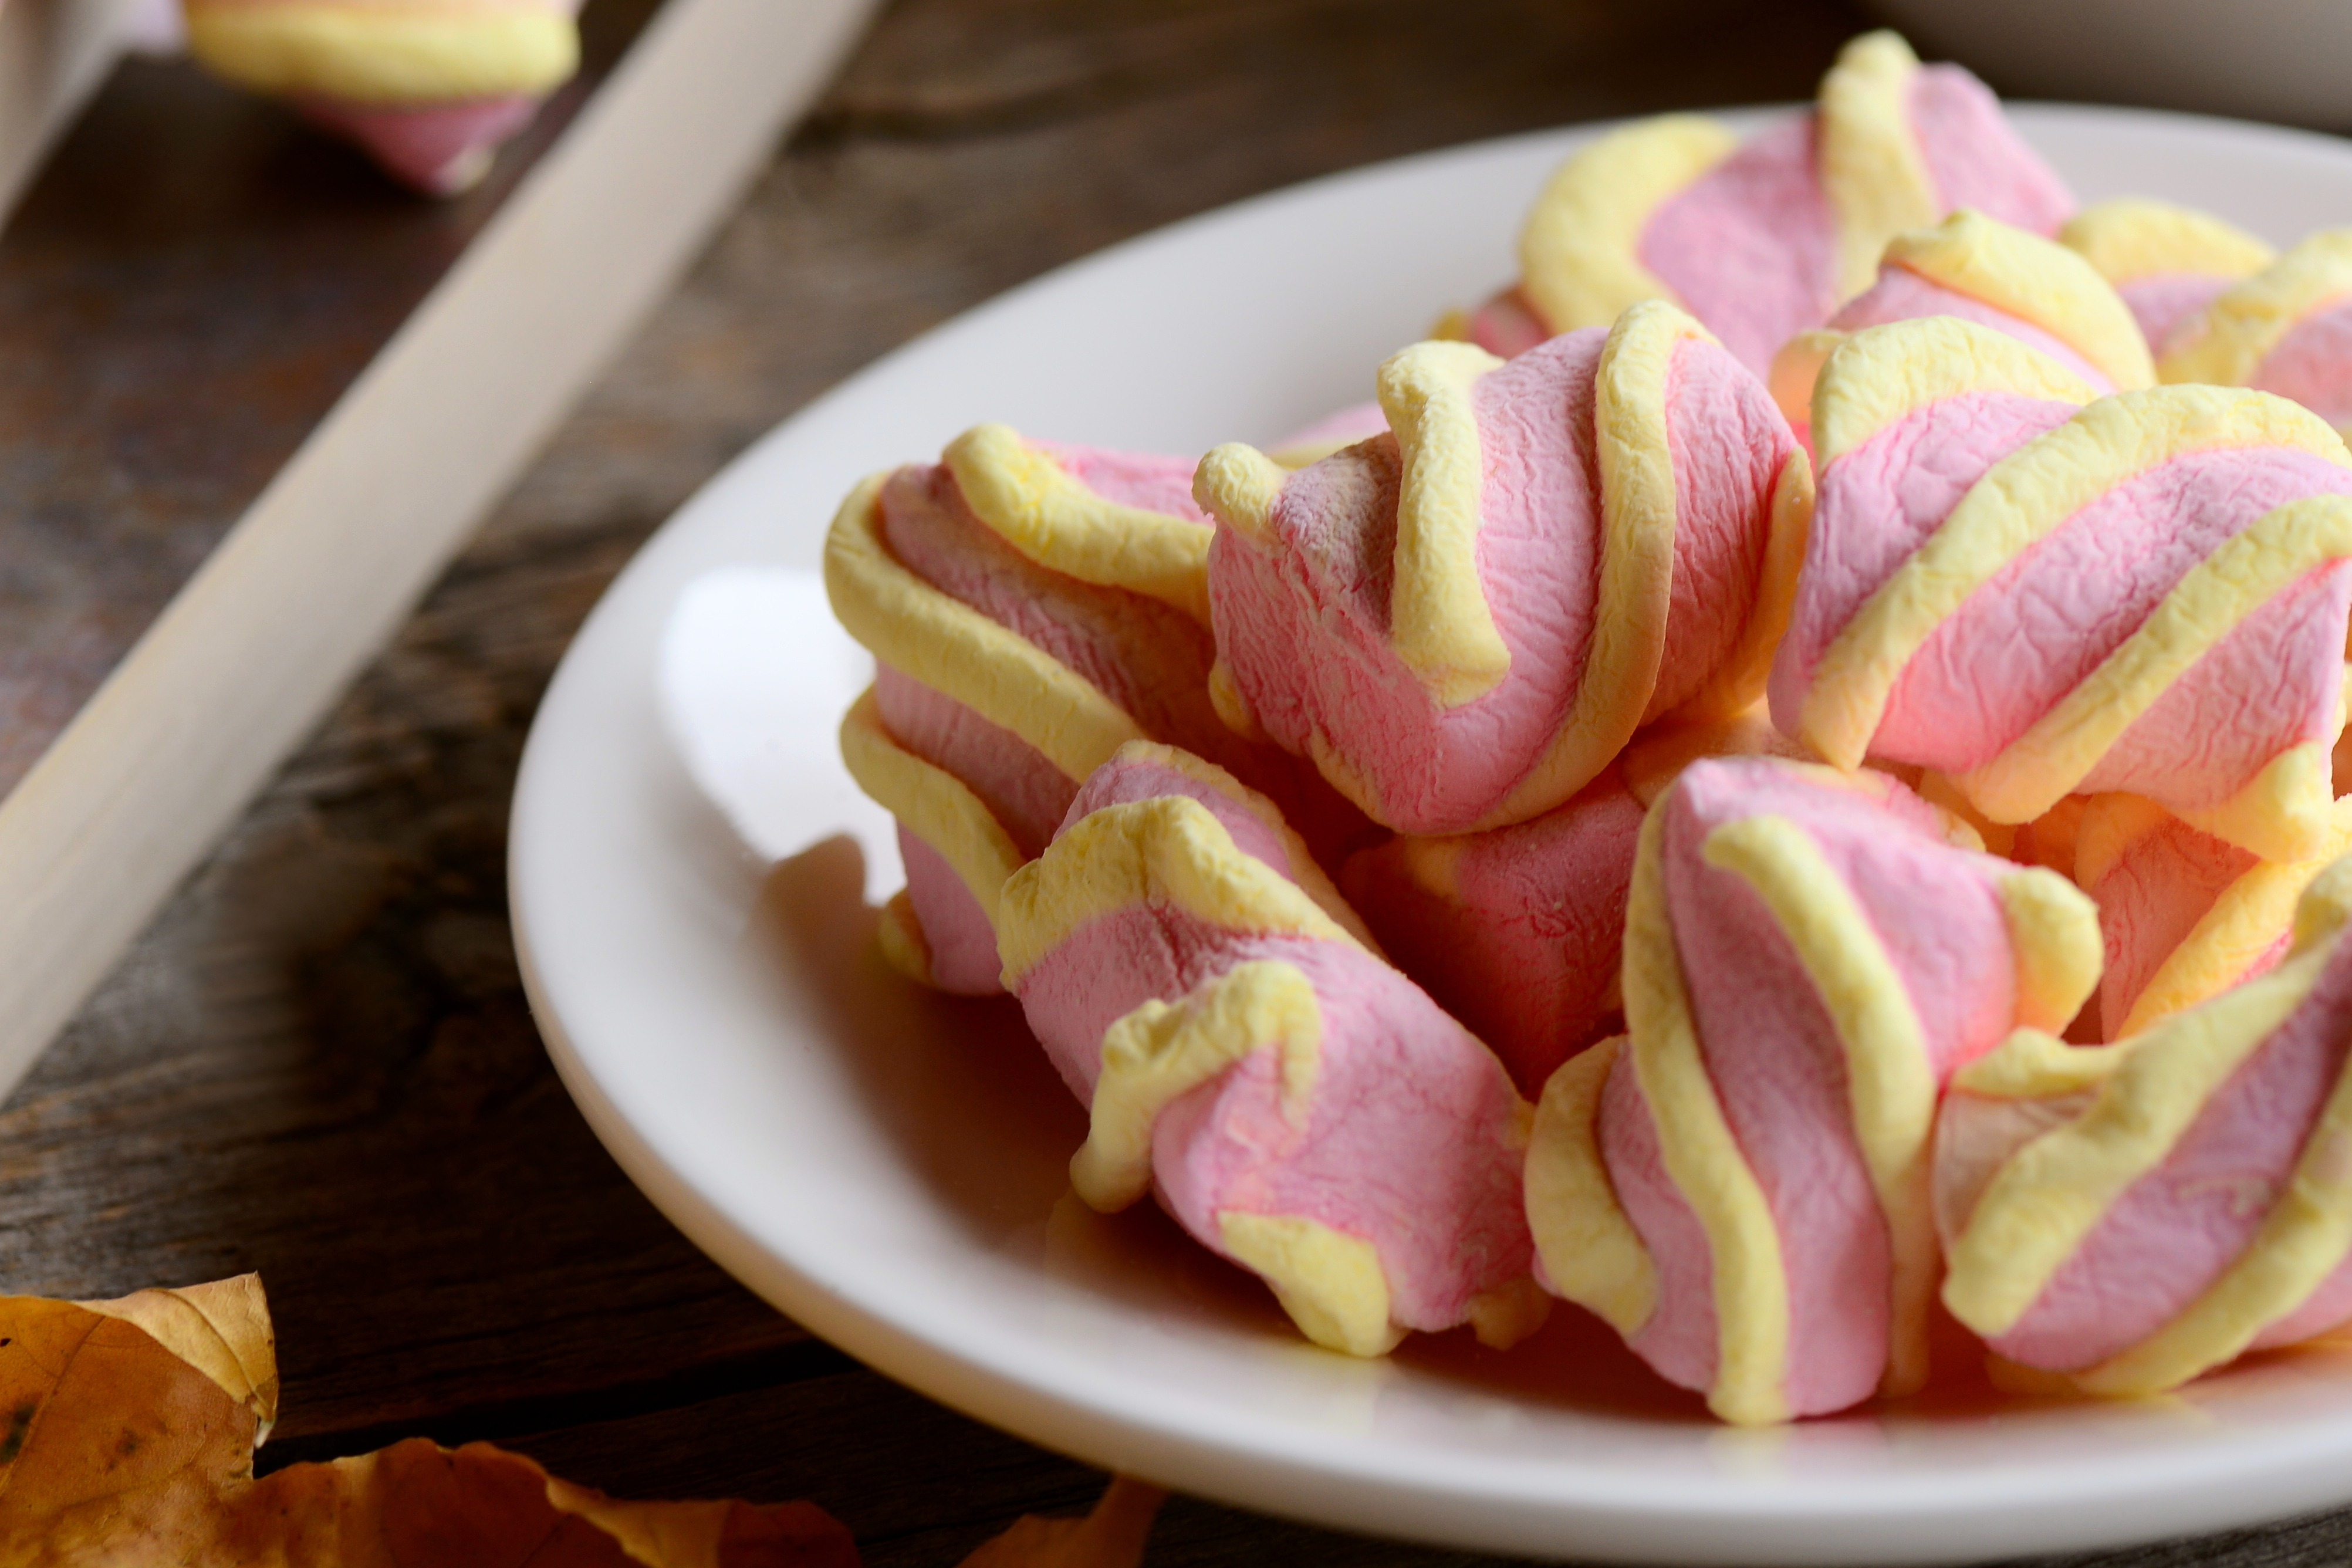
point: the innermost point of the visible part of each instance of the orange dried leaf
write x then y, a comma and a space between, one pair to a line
221, 1328
127, 1431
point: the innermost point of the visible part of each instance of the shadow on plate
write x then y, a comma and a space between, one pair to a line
954, 1083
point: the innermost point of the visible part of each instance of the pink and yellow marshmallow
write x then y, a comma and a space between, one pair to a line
2037, 592
2168, 263
2186, 915
1518, 931
2127, 1217
1982, 270
1031, 609
2285, 330
1740, 1185
1245, 1053
1462, 622
429, 88
1762, 240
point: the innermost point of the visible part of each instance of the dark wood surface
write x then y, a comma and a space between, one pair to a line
319, 1063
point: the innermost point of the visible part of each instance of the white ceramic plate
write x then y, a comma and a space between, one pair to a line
887, 1167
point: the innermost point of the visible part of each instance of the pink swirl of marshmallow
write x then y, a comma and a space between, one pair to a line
1462, 622
1298, 1106
1031, 609
1763, 240
2039, 593
2130, 1216
1740, 1185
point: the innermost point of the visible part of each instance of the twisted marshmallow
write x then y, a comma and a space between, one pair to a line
429, 88
2186, 916
1298, 1106
2131, 1216
1985, 271
2168, 263
2286, 329
1762, 241
1032, 608
2040, 593
1740, 1186
1515, 930
1462, 623
1518, 931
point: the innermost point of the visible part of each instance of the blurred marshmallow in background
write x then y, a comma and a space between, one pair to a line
2257, 59
430, 89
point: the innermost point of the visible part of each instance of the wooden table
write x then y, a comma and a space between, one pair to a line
319, 1063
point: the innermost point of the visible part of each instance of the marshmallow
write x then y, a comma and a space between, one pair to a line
2130, 1216
1740, 1185
1462, 623
1762, 241
1297, 1104
2186, 915
1515, 930
1518, 931
2038, 594
1985, 271
2286, 329
2168, 263
430, 89
1033, 609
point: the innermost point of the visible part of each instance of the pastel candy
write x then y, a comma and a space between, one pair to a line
1762, 240
2038, 593
1515, 930
2168, 263
429, 88
2287, 330
2131, 1216
1740, 1186
1979, 269
1297, 1104
2186, 915
1462, 622
1518, 931
1033, 609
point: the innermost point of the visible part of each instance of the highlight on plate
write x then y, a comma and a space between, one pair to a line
1785, 786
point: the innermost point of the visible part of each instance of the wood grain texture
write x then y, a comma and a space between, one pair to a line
319, 1063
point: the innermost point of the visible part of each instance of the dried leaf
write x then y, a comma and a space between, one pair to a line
127, 1431
419, 1505
221, 1328
1112, 1536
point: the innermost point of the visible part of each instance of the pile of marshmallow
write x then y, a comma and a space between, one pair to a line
1783, 772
